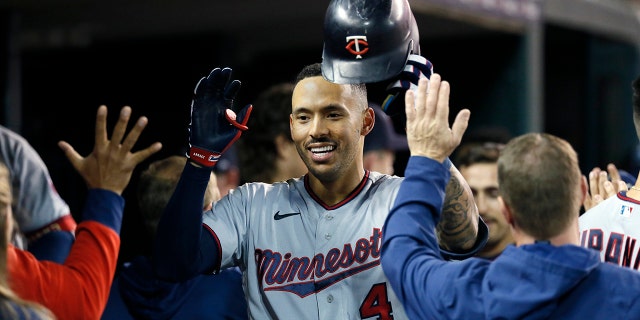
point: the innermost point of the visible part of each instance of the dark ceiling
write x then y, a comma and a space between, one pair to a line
252, 23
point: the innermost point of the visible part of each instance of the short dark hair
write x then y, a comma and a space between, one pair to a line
480, 136
308, 71
315, 70
155, 187
269, 119
487, 152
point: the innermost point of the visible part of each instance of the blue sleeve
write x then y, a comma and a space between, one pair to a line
409, 240
428, 286
105, 207
182, 250
53, 246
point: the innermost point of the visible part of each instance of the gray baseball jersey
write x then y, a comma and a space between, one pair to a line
612, 228
303, 259
36, 201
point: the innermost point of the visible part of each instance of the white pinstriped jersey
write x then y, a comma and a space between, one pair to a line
613, 228
305, 260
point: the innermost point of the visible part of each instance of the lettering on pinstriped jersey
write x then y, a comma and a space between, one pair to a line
618, 248
304, 276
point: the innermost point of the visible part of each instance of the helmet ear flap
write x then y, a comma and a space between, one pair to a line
367, 41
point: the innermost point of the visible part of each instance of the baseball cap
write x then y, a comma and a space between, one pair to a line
228, 161
627, 177
383, 134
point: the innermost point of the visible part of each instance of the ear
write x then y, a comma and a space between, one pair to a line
506, 211
584, 188
291, 125
368, 121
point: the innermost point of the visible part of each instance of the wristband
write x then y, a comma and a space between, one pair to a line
204, 157
64, 223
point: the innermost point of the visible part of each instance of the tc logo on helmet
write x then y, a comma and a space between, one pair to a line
357, 45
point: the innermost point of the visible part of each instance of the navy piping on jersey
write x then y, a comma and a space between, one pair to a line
351, 195
622, 195
218, 245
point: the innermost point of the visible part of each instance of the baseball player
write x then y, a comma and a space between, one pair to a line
309, 247
611, 227
43, 217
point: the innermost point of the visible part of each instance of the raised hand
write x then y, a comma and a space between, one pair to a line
602, 185
110, 165
214, 124
428, 131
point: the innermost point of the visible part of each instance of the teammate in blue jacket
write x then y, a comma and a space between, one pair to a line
309, 247
547, 275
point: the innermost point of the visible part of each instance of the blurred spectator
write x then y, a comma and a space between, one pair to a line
382, 143
478, 165
227, 171
266, 152
481, 135
137, 294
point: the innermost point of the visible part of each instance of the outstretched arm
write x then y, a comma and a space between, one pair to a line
460, 225
79, 288
184, 247
410, 254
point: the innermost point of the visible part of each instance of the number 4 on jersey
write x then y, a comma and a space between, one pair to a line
377, 303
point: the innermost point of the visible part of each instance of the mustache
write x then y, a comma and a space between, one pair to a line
318, 140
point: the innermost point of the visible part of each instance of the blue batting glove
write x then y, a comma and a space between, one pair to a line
214, 126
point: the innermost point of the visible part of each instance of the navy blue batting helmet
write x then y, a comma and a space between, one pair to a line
367, 41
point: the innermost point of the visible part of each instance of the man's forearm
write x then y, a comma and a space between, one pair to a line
177, 242
458, 226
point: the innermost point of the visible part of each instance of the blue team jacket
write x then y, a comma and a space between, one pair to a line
538, 281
